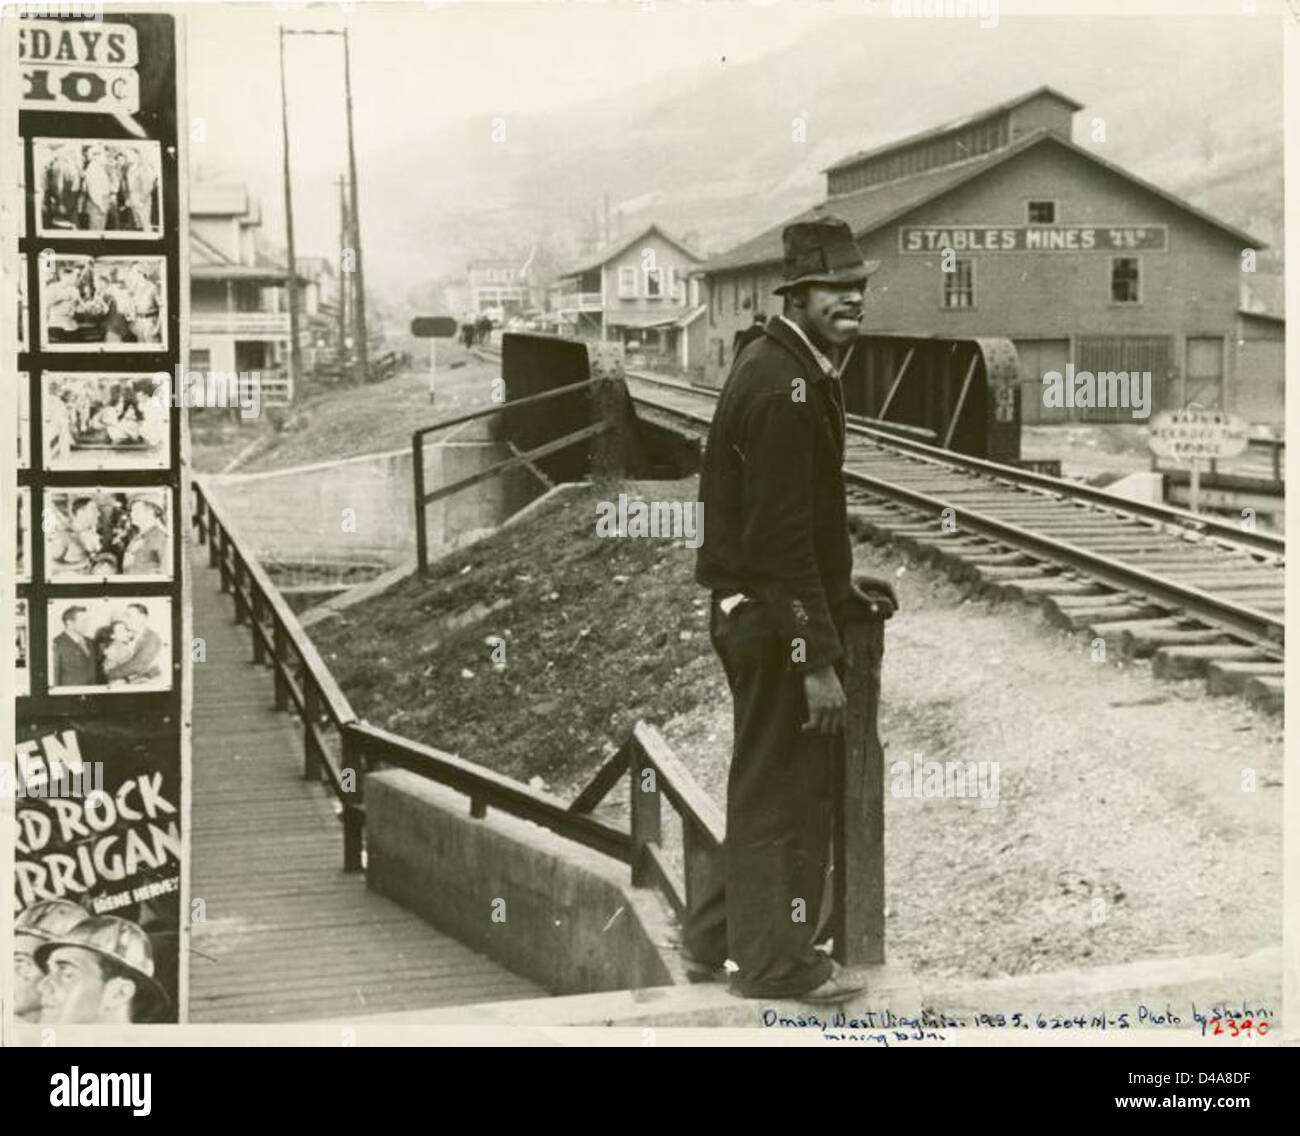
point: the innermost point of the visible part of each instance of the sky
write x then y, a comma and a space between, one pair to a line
438, 62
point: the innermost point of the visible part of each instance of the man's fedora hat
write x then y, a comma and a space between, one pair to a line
120, 941
822, 251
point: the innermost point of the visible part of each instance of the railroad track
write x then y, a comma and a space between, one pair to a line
1197, 594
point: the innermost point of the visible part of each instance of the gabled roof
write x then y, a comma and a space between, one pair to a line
204, 253
216, 199
208, 262
614, 251
869, 209
955, 124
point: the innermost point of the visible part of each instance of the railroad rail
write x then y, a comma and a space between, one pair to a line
1141, 562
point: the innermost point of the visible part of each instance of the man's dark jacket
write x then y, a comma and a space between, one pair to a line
772, 488
74, 665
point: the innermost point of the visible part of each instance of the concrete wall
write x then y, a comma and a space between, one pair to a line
298, 514
573, 922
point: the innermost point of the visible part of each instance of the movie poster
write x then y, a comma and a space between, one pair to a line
100, 597
97, 870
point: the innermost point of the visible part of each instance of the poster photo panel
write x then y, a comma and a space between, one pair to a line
103, 304
22, 648
105, 420
22, 303
103, 533
109, 645
23, 548
24, 422
98, 187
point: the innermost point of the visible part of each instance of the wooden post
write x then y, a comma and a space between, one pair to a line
222, 565
311, 770
259, 654
280, 647
644, 813
421, 509
241, 607
610, 404
859, 877
703, 862
354, 815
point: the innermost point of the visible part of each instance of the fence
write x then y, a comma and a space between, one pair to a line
303, 682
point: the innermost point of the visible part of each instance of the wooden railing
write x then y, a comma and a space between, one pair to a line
424, 498
302, 681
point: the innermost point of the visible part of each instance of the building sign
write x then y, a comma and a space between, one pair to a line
1183, 435
84, 67
1033, 238
102, 593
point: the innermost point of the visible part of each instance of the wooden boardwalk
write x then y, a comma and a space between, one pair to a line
288, 935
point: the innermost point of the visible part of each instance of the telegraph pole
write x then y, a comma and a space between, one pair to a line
295, 348
359, 304
345, 238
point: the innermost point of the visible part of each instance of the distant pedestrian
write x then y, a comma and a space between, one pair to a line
747, 335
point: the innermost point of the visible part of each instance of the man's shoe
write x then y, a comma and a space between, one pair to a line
698, 970
839, 987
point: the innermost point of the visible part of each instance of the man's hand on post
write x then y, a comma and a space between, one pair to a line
877, 594
825, 701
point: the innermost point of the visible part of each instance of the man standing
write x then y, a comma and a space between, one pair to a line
146, 553
141, 665
74, 547
74, 653
776, 555
745, 336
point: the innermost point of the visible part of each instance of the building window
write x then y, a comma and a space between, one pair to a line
1204, 382
695, 292
627, 282
959, 285
654, 283
1042, 212
1124, 280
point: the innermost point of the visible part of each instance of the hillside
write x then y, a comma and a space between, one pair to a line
710, 153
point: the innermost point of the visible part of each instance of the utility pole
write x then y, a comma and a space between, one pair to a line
359, 302
345, 237
295, 348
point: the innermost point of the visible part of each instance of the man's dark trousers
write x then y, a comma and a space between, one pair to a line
779, 814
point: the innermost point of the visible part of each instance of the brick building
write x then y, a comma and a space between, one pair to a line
1073, 258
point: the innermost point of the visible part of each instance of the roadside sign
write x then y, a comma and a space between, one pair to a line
1198, 435
434, 327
